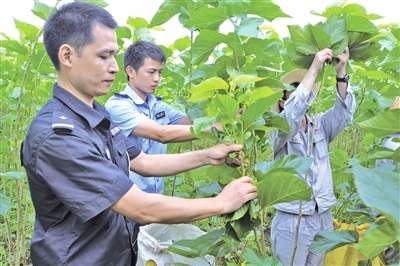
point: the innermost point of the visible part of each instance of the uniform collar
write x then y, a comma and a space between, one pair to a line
93, 116
136, 99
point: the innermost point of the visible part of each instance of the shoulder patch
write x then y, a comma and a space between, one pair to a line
61, 122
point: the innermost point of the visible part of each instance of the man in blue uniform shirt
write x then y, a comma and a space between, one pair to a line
148, 121
77, 160
294, 106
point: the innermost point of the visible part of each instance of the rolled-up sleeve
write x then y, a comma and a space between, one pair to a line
124, 114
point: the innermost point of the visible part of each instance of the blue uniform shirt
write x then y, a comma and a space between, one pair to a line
128, 110
77, 163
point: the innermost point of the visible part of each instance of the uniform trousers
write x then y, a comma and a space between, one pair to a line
283, 231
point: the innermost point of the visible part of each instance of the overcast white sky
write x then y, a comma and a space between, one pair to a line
121, 9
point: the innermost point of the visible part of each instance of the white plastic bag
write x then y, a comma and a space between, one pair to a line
154, 239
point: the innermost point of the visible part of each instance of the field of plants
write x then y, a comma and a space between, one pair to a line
209, 75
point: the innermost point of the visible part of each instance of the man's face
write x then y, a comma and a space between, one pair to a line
93, 73
287, 95
146, 80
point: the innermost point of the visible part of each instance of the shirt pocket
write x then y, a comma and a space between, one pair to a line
121, 153
296, 146
320, 144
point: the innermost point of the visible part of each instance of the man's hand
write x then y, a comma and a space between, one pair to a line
341, 62
220, 153
325, 55
237, 193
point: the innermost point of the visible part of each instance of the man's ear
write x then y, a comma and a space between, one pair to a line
281, 103
64, 55
130, 71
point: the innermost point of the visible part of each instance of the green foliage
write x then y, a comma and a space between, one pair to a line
212, 75
338, 32
326, 241
383, 124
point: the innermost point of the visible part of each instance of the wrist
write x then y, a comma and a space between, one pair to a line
341, 74
342, 78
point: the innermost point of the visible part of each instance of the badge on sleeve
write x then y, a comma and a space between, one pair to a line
160, 115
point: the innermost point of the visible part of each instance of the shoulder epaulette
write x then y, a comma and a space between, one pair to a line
159, 98
122, 95
61, 122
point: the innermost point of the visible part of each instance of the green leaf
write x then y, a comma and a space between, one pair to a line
266, 9
326, 241
303, 39
339, 161
244, 224
189, 253
222, 173
234, 8
14, 46
137, 23
392, 60
322, 39
201, 123
360, 24
166, 11
277, 122
224, 246
379, 189
253, 257
228, 108
208, 190
143, 34
256, 109
382, 124
41, 10
100, 3
396, 155
123, 32
205, 44
239, 213
27, 31
245, 79
249, 27
336, 29
278, 187
5, 204
205, 89
182, 43
197, 247
207, 18
298, 163
298, 59
377, 240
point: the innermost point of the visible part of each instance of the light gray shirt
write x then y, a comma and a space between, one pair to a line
328, 126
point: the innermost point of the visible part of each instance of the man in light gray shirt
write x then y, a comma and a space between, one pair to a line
294, 107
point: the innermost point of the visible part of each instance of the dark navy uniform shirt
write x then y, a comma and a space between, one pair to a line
77, 163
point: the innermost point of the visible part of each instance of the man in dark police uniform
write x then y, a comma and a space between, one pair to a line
77, 160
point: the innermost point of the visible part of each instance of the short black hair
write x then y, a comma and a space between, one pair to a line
73, 24
137, 52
